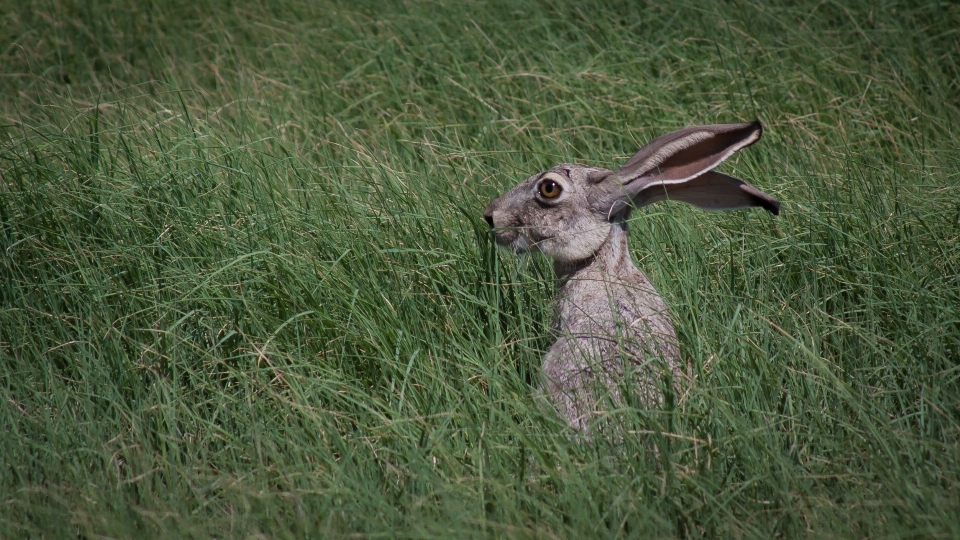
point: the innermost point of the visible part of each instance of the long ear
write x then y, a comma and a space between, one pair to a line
687, 153
668, 167
710, 191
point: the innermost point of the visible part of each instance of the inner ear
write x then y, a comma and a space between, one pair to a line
690, 162
687, 153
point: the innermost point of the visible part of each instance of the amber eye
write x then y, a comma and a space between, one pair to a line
550, 189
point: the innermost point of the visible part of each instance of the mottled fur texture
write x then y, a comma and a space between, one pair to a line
613, 330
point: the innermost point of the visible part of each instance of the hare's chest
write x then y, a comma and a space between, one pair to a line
587, 314
614, 317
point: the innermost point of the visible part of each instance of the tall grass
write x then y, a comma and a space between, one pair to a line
246, 288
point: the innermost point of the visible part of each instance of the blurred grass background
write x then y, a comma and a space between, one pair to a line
246, 289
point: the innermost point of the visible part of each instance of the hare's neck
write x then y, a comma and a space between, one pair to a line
610, 263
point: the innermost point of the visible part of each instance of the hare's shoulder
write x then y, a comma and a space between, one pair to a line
641, 312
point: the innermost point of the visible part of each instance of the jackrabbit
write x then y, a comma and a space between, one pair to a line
610, 324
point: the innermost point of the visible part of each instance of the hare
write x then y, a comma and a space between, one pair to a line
613, 331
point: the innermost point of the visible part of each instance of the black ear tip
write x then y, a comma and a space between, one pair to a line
758, 197
773, 206
757, 126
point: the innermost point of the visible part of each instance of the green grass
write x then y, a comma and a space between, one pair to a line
246, 289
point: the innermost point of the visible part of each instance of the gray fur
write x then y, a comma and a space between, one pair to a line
609, 320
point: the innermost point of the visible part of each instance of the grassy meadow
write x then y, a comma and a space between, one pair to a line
247, 291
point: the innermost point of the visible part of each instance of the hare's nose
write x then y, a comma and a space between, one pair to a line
489, 218
488, 214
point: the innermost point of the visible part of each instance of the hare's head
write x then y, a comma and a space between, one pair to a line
567, 212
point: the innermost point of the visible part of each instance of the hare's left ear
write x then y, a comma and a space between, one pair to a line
678, 165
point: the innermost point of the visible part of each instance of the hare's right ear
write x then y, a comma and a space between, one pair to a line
678, 165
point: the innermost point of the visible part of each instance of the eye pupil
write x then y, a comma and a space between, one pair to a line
550, 189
